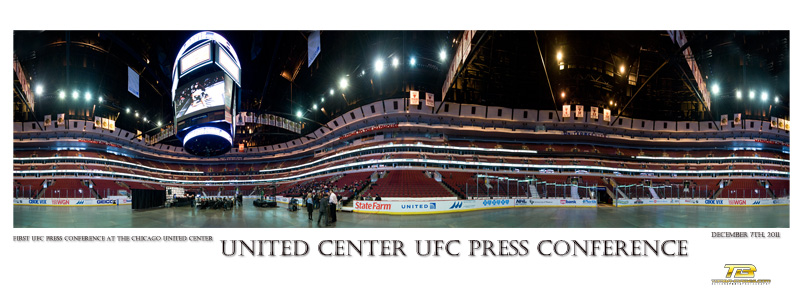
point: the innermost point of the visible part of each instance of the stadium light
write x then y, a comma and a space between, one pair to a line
323, 99
39, 90
100, 99
622, 69
559, 56
379, 65
128, 110
715, 89
315, 106
62, 95
752, 94
343, 83
563, 95
88, 96
299, 114
331, 92
362, 72
75, 95
738, 94
137, 114
413, 61
442, 55
395, 62
776, 99
158, 123
764, 96
145, 119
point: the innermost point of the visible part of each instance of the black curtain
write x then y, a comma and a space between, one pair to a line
144, 199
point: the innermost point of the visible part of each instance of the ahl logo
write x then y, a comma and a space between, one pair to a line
756, 202
79, 202
456, 205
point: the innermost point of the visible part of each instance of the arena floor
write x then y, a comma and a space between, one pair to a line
255, 217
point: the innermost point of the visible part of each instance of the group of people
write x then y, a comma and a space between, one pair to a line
326, 202
218, 202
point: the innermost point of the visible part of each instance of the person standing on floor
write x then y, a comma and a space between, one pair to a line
310, 206
323, 211
333, 202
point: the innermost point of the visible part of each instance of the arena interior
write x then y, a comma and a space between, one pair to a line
448, 128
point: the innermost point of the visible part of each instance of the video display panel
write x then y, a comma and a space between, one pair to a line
208, 92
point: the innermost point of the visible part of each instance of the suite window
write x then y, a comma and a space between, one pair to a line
473, 110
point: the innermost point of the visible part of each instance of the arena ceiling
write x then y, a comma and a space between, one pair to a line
519, 69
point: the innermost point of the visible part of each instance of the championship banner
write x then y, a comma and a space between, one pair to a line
429, 99
139, 134
595, 114
133, 82
98, 122
105, 123
781, 123
414, 98
112, 125
579, 111
773, 122
47, 120
607, 115
737, 119
723, 120
565, 111
240, 119
786, 125
60, 119
241, 147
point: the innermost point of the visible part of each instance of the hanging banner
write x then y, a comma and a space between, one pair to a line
595, 114
773, 122
606, 115
98, 122
313, 47
104, 123
139, 134
781, 123
786, 125
414, 98
565, 113
429, 99
133, 82
737, 119
112, 125
579, 111
60, 119
723, 120
241, 147
47, 120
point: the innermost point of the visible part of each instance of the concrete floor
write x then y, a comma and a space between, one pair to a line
250, 216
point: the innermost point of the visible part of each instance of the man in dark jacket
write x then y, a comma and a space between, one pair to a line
323, 210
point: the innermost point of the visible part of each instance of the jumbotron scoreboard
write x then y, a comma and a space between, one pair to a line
206, 87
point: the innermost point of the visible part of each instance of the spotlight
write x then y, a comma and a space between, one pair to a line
88, 96
299, 114
315, 106
563, 94
752, 95
622, 69
764, 96
128, 110
776, 99
738, 94
362, 72
343, 83
100, 99
559, 56
442, 55
158, 123
323, 99
715, 89
39, 90
137, 114
75, 95
331, 92
379, 65
413, 61
62, 95
395, 62
145, 119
